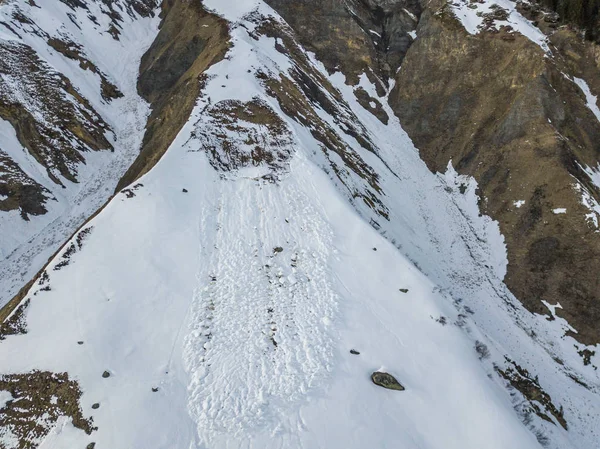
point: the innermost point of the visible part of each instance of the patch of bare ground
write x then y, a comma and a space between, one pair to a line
15, 324
39, 398
539, 401
237, 134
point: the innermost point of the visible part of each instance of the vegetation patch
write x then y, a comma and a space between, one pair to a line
39, 398
540, 402
71, 50
237, 135
16, 323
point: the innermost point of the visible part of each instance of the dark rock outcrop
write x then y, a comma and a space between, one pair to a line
357, 36
171, 75
386, 380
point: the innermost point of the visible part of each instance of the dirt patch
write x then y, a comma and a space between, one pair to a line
540, 401
237, 135
39, 398
16, 323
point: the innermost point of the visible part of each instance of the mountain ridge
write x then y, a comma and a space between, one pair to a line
214, 300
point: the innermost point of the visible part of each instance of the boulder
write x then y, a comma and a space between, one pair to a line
386, 380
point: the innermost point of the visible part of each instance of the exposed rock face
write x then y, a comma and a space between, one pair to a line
357, 36
171, 75
505, 114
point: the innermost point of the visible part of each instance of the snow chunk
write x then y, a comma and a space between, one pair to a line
519, 203
592, 100
593, 173
559, 210
5, 397
590, 202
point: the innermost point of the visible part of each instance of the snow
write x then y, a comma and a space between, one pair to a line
249, 347
559, 210
412, 34
234, 10
519, 203
593, 173
243, 391
26, 246
591, 204
410, 14
591, 100
5, 397
470, 15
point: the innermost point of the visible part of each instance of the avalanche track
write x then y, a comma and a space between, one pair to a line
223, 305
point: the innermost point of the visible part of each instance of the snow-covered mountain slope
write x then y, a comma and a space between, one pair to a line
71, 120
214, 302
